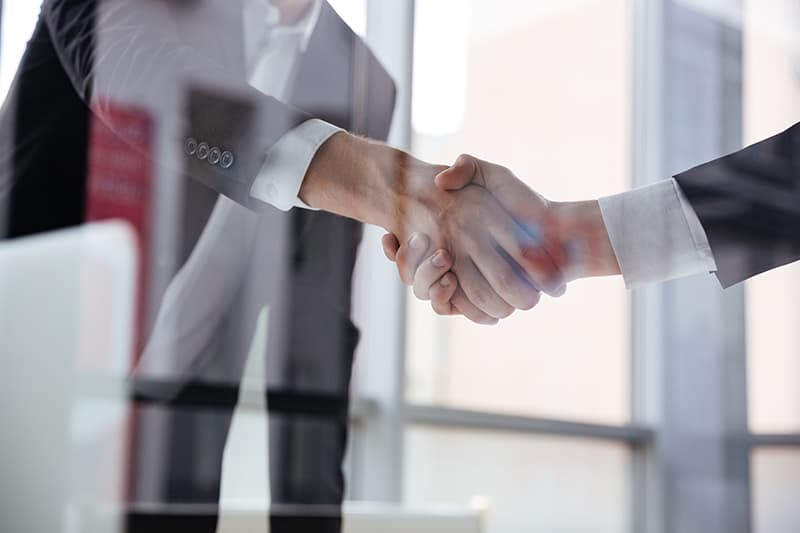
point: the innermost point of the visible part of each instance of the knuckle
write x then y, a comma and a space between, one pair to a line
440, 308
420, 293
405, 267
556, 279
405, 277
507, 279
480, 298
531, 301
505, 312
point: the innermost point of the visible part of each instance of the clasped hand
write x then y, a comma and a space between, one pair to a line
495, 245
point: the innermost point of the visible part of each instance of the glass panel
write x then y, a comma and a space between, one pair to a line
527, 483
772, 103
775, 486
524, 84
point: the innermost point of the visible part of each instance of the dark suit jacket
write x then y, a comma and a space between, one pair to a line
749, 205
43, 161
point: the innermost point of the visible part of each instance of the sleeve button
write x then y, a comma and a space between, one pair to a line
226, 159
202, 151
190, 146
214, 155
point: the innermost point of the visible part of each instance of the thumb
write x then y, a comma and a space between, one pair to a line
458, 176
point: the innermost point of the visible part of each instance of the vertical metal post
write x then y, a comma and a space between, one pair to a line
647, 166
689, 347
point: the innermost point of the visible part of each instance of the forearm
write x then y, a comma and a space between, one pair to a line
372, 182
341, 182
586, 247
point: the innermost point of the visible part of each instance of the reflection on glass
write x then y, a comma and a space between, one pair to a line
527, 483
540, 80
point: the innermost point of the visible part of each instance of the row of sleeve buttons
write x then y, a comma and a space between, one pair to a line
214, 155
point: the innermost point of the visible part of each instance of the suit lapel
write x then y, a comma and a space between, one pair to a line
323, 79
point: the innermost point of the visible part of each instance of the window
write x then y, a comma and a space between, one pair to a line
528, 483
527, 85
19, 19
771, 104
775, 485
353, 12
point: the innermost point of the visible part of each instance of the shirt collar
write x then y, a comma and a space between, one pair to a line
304, 28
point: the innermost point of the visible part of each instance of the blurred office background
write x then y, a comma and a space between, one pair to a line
669, 409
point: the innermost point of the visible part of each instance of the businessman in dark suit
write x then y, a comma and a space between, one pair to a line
72, 57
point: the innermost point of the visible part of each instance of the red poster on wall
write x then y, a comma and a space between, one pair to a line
120, 184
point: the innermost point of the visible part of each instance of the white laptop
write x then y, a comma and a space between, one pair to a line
66, 324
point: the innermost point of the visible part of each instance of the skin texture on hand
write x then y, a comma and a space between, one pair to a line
569, 236
377, 184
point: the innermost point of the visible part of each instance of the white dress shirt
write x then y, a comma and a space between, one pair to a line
656, 234
271, 54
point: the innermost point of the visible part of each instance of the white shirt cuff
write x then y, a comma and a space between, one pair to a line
656, 234
279, 181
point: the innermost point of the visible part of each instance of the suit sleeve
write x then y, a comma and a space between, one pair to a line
749, 205
122, 51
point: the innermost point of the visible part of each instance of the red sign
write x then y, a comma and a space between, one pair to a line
120, 184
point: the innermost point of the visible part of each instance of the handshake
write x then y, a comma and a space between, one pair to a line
494, 245
472, 238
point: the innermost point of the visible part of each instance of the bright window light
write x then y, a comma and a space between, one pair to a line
353, 12
19, 19
440, 66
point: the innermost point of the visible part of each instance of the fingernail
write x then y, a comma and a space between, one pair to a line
445, 281
415, 241
438, 260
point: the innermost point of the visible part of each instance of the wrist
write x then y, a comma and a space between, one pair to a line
373, 183
584, 236
348, 177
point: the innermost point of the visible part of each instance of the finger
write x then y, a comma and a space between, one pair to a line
441, 292
479, 291
468, 309
528, 250
410, 255
505, 276
430, 271
390, 246
459, 175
